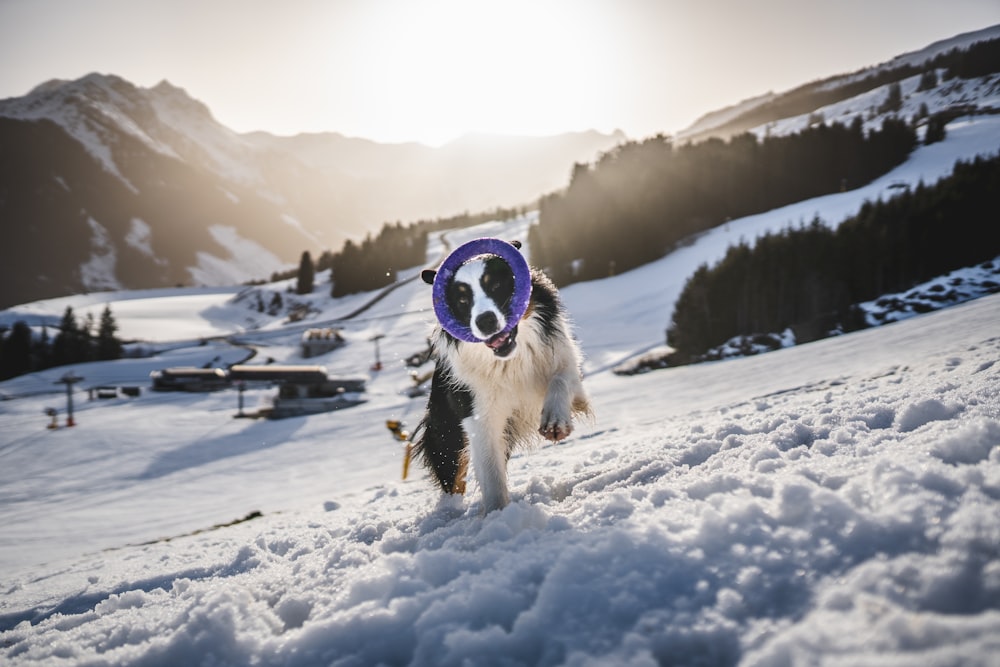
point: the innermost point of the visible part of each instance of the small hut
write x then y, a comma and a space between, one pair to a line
320, 341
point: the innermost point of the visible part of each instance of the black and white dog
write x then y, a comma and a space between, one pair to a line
518, 381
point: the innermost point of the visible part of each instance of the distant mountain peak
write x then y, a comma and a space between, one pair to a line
167, 97
47, 86
202, 202
165, 86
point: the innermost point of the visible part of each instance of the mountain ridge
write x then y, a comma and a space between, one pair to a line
155, 162
740, 117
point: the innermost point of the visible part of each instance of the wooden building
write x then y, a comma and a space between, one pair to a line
185, 378
302, 390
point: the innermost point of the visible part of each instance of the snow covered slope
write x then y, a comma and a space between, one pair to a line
838, 501
831, 503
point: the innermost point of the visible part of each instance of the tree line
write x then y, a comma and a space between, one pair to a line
373, 263
811, 278
641, 199
76, 341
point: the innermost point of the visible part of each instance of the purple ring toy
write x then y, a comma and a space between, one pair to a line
461, 255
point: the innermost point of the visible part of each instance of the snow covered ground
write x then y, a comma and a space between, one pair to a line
832, 503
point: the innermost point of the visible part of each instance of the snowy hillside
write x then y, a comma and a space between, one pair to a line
836, 502
767, 108
832, 503
980, 92
915, 58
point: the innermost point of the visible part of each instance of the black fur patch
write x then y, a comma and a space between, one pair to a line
498, 282
545, 300
442, 442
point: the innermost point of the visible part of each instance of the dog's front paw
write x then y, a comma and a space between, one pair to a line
555, 427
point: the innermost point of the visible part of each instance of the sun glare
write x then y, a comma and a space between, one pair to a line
436, 70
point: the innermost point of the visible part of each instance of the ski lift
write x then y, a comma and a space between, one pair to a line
377, 366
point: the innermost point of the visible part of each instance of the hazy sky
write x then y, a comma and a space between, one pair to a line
397, 70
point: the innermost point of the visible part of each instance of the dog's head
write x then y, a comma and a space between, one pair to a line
481, 302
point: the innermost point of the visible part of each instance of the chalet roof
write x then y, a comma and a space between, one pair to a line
192, 371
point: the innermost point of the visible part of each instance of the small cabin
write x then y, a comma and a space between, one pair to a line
185, 378
320, 341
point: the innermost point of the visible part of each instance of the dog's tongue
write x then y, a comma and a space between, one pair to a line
497, 341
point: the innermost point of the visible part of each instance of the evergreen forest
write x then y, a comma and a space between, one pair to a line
374, 262
811, 278
76, 341
640, 200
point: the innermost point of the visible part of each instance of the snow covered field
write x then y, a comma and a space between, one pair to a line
833, 503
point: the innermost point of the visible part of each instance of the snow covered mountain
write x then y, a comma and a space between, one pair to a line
763, 110
108, 185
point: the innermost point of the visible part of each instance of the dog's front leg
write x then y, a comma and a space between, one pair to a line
489, 461
564, 390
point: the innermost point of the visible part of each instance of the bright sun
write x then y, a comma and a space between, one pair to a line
435, 70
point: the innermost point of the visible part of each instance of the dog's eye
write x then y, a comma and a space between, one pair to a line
498, 286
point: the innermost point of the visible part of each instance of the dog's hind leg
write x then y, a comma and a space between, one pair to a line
442, 443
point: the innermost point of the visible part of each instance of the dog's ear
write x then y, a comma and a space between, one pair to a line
516, 244
428, 276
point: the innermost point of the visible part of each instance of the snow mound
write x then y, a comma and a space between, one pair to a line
832, 503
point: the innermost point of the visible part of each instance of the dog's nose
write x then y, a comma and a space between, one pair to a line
487, 323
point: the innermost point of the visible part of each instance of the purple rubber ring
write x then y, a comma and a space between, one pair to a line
461, 255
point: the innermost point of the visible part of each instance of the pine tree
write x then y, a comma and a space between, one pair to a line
893, 99
108, 345
928, 80
67, 344
935, 129
15, 351
306, 275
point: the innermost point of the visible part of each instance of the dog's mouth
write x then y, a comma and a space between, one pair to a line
503, 343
